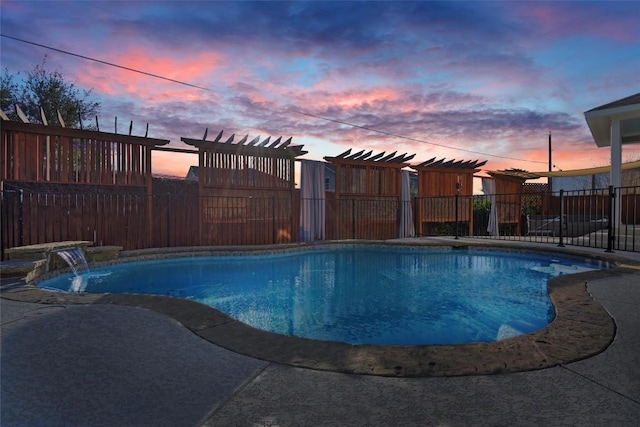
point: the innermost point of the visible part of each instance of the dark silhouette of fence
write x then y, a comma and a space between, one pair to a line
108, 217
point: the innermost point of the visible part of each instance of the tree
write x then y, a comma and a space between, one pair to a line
51, 91
8, 94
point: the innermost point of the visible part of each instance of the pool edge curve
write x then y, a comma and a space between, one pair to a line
582, 328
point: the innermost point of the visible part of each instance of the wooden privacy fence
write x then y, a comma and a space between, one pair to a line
361, 218
259, 220
108, 217
234, 220
445, 190
70, 184
121, 219
93, 185
37, 153
629, 205
247, 190
366, 201
434, 212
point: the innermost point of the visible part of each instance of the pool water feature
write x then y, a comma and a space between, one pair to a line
380, 295
75, 259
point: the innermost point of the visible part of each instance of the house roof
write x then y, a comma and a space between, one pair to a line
193, 171
627, 110
629, 100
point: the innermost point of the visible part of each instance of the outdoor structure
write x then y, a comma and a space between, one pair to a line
366, 202
578, 204
589, 179
439, 182
250, 184
39, 153
509, 189
51, 177
62, 184
614, 125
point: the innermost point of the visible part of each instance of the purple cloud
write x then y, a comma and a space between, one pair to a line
488, 77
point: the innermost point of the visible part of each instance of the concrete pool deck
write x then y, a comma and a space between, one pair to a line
137, 361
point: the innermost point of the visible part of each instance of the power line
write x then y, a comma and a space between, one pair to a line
414, 139
299, 112
107, 63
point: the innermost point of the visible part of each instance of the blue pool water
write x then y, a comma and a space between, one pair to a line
360, 295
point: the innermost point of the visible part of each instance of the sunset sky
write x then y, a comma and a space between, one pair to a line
457, 80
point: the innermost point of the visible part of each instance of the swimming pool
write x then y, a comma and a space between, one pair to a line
381, 295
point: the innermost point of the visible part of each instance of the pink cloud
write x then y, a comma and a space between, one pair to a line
194, 69
359, 98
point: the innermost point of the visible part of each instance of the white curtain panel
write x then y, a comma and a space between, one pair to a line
312, 201
407, 229
489, 189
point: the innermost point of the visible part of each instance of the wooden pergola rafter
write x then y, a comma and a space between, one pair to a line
369, 159
452, 164
369, 174
255, 147
360, 178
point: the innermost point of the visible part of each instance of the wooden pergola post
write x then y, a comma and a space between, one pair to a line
364, 175
441, 179
149, 180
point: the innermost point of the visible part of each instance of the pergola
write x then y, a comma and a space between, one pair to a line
60, 160
32, 152
438, 183
248, 183
364, 180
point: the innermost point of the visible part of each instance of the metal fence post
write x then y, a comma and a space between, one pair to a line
168, 219
457, 200
2, 231
610, 227
457, 221
560, 234
416, 216
273, 219
20, 219
353, 218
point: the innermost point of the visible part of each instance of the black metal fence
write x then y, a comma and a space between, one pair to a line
605, 218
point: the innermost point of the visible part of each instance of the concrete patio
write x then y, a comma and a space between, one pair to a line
109, 364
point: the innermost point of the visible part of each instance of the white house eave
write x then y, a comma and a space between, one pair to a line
599, 122
599, 128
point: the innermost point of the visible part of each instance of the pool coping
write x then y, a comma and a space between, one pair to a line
582, 327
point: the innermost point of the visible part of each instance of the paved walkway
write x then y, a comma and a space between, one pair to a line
100, 364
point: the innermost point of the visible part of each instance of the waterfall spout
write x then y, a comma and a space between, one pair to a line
75, 258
